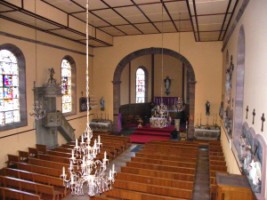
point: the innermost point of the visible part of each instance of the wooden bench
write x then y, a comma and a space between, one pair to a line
153, 180
46, 191
154, 189
39, 169
36, 177
161, 167
133, 195
10, 193
47, 163
164, 157
159, 174
12, 159
177, 163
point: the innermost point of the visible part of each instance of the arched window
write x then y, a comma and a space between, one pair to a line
68, 85
140, 85
12, 88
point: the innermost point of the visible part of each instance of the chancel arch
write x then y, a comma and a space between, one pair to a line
190, 86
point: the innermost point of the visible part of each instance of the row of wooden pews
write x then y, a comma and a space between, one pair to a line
161, 170
35, 174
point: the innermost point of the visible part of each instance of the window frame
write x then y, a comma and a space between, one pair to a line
73, 84
145, 82
22, 87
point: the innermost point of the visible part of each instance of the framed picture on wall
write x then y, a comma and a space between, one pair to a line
83, 104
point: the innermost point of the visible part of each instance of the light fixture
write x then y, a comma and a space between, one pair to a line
39, 111
85, 169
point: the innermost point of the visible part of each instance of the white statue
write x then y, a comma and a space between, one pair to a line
255, 171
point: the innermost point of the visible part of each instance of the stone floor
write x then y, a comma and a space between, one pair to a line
201, 188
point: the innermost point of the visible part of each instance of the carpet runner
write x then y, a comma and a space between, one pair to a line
147, 134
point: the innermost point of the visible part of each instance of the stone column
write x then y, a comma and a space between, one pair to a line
116, 102
191, 95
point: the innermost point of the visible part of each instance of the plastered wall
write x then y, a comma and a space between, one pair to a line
255, 71
38, 59
206, 59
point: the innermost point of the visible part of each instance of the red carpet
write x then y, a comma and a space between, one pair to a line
147, 134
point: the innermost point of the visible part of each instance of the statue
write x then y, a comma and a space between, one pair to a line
255, 171
207, 108
167, 82
102, 104
51, 80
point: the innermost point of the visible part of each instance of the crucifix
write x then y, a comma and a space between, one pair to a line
253, 113
262, 121
247, 109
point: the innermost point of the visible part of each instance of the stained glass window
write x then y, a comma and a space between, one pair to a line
9, 88
66, 82
140, 85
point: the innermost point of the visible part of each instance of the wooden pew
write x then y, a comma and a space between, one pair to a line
133, 195
46, 191
177, 163
161, 167
54, 158
164, 157
39, 169
10, 193
47, 163
153, 180
12, 159
36, 177
154, 189
159, 174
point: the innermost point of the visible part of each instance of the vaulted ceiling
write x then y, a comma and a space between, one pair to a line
209, 20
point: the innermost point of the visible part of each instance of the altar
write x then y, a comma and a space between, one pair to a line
158, 122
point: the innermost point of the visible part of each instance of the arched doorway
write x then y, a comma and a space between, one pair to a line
239, 93
190, 83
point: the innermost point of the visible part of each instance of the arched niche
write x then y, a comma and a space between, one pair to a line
190, 83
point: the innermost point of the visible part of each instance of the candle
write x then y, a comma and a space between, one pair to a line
72, 154
99, 139
63, 171
71, 179
82, 139
76, 143
113, 169
105, 155
110, 175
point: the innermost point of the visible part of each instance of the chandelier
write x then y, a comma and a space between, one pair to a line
39, 111
85, 168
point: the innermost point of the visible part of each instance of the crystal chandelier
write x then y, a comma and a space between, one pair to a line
85, 168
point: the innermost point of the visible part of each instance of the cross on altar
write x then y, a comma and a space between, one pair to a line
253, 114
262, 121
247, 109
